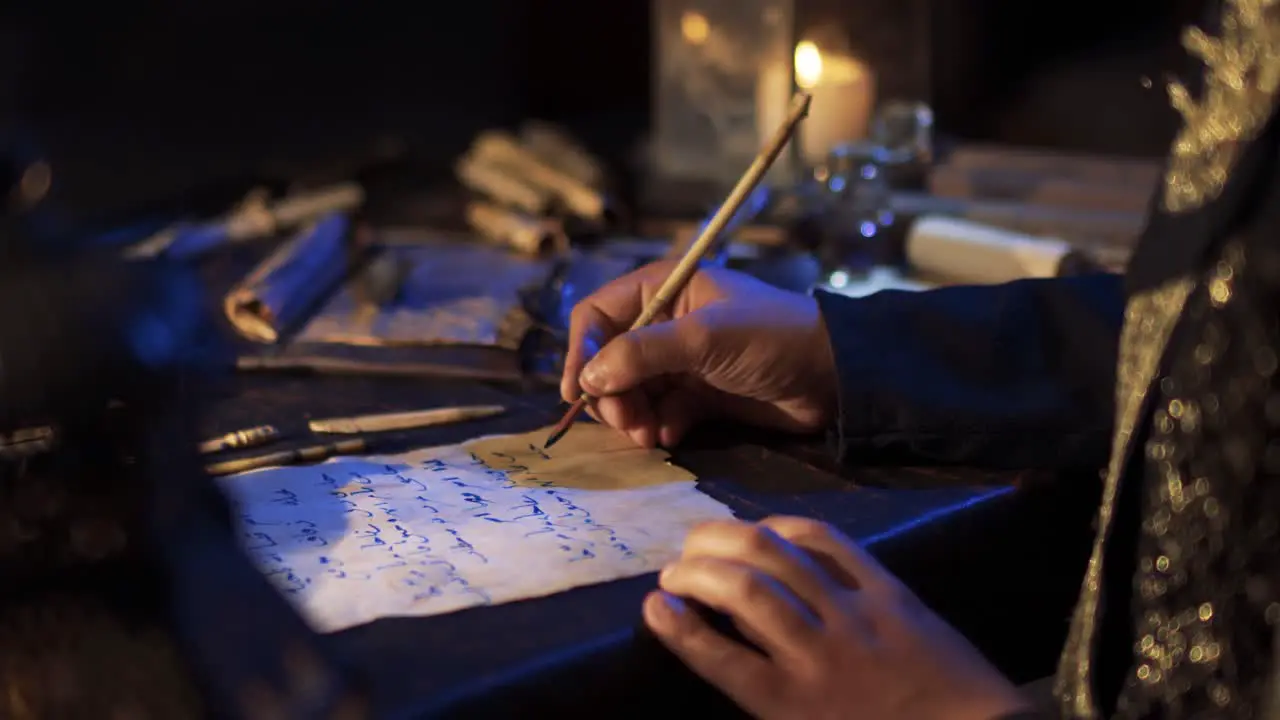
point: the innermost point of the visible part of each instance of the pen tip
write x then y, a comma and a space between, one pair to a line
565, 423
553, 438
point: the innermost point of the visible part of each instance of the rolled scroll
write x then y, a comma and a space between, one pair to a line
577, 197
284, 288
960, 251
524, 234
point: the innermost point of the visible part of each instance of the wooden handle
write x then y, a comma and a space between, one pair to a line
688, 265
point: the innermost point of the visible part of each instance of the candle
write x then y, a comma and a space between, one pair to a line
843, 95
773, 96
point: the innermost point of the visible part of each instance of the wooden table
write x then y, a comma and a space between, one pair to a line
999, 555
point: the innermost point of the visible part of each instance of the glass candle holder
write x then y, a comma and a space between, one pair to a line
722, 83
724, 74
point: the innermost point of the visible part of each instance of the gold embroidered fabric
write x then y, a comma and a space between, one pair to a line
1149, 319
1242, 72
1204, 604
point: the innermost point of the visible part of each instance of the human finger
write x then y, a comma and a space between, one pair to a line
603, 314
589, 329
758, 546
764, 608
746, 676
677, 412
848, 563
630, 413
637, 356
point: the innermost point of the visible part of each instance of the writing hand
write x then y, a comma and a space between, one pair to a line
841, 637
729, 346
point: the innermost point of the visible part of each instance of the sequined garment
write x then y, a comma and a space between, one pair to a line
1149, 320
1206, 601
1206, 594
1240, 82
1190, 500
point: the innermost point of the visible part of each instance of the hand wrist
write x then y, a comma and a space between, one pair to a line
825, 383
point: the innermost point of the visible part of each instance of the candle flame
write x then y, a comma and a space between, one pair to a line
694, 27
808, 62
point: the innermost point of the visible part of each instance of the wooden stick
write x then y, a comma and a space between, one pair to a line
404, 420
339, 366
313, 453
688, 265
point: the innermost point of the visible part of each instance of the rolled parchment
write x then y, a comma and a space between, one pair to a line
558, 149
499, 183
959, 251
524, 234
577, 196
253, 218
280, 292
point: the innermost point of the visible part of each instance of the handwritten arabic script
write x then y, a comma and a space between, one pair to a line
439, 530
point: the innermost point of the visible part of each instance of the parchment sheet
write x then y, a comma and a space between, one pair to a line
491, 521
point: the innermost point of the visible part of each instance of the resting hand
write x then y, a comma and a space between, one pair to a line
841, 637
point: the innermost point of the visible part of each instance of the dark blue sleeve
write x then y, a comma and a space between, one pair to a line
1018, 375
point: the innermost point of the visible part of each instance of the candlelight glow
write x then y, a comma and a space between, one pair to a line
695, 28
808, 61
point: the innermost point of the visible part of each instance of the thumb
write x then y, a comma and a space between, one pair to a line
639, 355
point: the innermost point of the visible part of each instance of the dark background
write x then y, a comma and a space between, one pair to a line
135, 102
